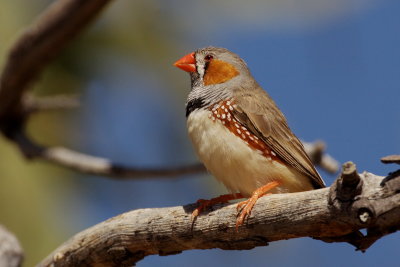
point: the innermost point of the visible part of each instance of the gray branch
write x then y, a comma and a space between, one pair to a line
317, 153
35, 104
11, 253
355, 201
391, 159
96, 165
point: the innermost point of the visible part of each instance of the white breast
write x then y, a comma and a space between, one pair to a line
239, 167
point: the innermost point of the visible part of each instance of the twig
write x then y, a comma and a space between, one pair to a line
34, 104
391, 159
321, 214
97, 165
317, 152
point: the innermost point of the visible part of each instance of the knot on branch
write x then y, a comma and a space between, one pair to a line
346, 195
369, 201
347, 186
365, 212
364, 215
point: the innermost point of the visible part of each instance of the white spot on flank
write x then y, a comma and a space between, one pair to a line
223, 116
230, 108
273, 153
243, 136
236, 125
251, 138
238, 131
226, 110
228, 103
218, 116
247, 132
215, 112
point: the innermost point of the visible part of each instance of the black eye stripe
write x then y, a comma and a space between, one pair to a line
207, 59
206, 65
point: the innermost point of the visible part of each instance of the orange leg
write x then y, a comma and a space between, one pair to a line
246, 206
204, 203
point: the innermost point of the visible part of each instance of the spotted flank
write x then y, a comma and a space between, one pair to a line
223, 112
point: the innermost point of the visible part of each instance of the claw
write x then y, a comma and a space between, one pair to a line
204, 203
240, 205
245, 207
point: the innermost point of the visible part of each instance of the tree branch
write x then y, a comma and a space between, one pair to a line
11, 253
35, 104
331, 214
391, 159
317, 153
96, 165
37, 45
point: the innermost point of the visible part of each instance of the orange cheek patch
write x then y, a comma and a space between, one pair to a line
218, 72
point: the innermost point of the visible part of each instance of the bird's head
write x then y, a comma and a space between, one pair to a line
216, 73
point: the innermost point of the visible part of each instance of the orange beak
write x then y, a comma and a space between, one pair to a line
187, 63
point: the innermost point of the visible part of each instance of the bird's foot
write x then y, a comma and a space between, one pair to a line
205, 203
245, 207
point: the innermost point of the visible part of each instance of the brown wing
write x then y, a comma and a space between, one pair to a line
268, 123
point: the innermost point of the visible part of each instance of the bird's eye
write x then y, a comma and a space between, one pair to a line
208, 57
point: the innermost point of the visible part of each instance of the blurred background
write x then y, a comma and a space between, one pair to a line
333, 67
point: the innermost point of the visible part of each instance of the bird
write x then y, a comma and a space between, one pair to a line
240, 134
